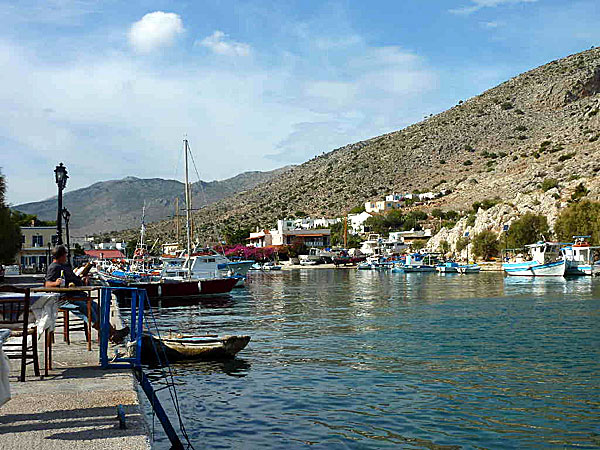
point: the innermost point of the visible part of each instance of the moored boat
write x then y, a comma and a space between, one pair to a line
579, 257
192, 347
454, 267
420, 263
544, 259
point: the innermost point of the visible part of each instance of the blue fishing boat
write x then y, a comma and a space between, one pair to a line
580, 257
418, 262
454, 267
542, 259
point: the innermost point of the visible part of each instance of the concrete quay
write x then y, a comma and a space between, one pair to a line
75, 407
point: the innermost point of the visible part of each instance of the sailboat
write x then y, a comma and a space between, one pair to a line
179, 281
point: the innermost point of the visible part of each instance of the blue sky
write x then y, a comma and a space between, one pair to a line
111, 87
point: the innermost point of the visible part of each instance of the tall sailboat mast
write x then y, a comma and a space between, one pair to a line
187, 202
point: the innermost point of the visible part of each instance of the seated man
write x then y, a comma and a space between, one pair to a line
58, 269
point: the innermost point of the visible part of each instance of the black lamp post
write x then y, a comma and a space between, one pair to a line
60, 175
67, 216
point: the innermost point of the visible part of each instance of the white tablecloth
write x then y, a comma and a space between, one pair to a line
4, 369
44, 307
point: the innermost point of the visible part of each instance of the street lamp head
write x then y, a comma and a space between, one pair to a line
60, 175
66, 214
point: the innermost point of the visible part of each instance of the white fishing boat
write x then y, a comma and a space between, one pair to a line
542, 259
270, 267
580, 257
376, 245
454, 267
418, 262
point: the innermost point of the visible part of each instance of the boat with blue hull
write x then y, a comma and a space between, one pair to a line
418, 262
454, 267
545, 259
580, 257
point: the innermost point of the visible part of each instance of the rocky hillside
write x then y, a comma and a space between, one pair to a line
543, 123
117, 204
548, 204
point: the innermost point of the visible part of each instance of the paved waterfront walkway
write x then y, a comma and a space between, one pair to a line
74, 407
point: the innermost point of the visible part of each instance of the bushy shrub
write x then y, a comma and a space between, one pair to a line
580, 192
565, 157
486, 245
578, 219
549, 183
485, 204
528, 229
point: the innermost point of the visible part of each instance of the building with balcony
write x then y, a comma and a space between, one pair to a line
37, 243
290, 232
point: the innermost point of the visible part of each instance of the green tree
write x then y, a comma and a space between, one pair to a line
486, 245
578, 219
236, 235
376, 224
10, 232
417, 245
461, 243
528, 229
77, 250
24, 220
444, 247
357, 209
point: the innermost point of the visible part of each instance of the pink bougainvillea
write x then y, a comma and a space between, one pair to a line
254, 253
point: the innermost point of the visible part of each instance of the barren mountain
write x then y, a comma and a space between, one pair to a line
544, 123
117, 204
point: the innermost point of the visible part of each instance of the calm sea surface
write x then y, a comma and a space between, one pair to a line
359, 359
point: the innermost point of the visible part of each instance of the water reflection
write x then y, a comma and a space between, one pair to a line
349, 359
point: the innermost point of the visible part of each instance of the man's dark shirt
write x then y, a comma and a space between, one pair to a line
55, 269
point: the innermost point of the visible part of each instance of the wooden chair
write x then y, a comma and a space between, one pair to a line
70, 324
14, 315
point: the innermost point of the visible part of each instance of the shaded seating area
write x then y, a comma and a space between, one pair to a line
15, 314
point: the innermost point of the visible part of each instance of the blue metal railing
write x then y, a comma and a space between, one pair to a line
139, 298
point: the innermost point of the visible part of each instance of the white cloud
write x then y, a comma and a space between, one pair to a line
154, 30
219, 43
490, 25
476, 5
376, 91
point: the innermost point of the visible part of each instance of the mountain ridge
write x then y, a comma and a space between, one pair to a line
114, 205
544, 123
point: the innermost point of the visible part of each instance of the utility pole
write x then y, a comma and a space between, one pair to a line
346, 232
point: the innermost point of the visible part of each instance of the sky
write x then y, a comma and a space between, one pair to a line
111, 88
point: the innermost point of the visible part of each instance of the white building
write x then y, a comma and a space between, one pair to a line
395, 197
291, 232
112, 245
356, 222
382, 206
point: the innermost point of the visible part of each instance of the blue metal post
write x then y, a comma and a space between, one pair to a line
105, 301
142, 295
138, 302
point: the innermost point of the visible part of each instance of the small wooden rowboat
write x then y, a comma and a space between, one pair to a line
182, 347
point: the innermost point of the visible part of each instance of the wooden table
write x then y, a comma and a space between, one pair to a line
65, 291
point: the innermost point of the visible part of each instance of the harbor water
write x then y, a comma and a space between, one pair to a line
364, 359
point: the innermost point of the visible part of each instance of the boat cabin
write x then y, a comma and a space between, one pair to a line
545, 252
